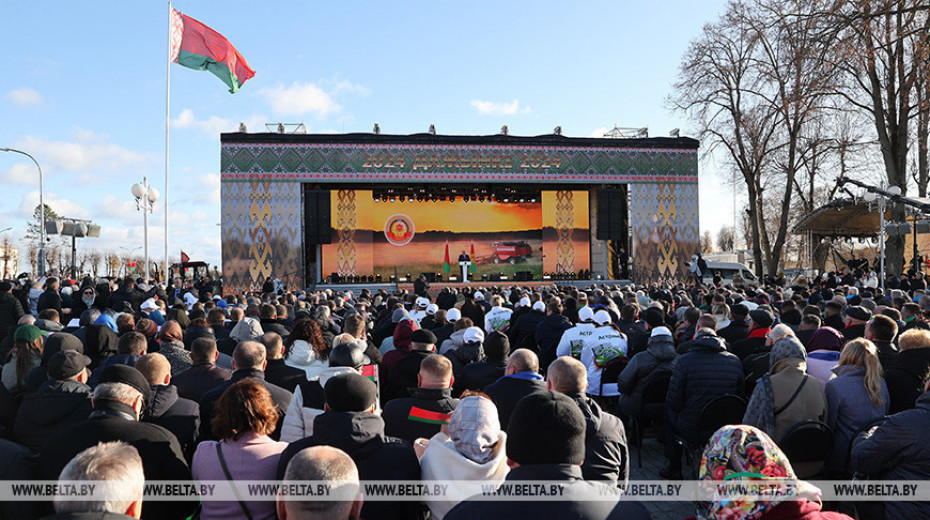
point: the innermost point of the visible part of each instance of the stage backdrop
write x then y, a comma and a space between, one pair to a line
401, 238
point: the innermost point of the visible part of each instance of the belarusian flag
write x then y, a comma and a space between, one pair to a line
446, 264
426, 416
472, 268
199, 47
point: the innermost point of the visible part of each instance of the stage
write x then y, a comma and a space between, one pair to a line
317, 209
436, 287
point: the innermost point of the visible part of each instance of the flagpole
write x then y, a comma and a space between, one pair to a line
167, 147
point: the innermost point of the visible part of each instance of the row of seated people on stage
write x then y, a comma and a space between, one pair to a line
483, 384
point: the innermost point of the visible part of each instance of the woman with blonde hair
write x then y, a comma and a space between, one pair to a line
855, 395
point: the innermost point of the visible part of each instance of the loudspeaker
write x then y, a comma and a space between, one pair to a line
611, 214
430, 277
317, 225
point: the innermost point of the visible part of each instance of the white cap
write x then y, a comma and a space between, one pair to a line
524, 302
539, 306
749, 305
431, 309
473, 335
216, 297
602, 317
660, 331
453, 315
585, 314
479, 296
422, 302
149, 305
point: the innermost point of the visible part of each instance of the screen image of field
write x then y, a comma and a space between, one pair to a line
403, 238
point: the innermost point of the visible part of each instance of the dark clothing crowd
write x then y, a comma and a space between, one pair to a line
489, 384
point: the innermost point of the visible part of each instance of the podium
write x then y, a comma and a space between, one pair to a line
465, 265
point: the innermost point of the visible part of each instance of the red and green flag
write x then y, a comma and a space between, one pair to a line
371, 372
426, 416
196, 46
472, 268
446, 264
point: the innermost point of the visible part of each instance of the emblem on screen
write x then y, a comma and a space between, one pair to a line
399, 230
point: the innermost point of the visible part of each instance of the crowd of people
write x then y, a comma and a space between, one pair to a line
126, 381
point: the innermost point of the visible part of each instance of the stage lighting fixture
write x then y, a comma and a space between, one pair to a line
403, 198
393, 278
451, 198
481, 198
392, 198
465, 198
442, 197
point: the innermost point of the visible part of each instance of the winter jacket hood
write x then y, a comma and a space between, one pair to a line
55, 401
163, 398
662, 347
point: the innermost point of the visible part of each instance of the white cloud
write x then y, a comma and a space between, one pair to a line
89, 151
62, 206
491, 108
599, 132
340, 86
25, 97
212, 126
298, 99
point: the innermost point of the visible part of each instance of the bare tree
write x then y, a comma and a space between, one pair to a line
725, 239
881, 47
707, 242
717, 90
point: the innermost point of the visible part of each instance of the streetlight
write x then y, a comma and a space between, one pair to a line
41, 210
145, 200
882, 198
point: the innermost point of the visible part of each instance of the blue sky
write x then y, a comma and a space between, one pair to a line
83, 89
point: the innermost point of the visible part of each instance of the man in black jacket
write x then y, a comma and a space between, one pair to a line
404, 374
422, 414
483, 373
523, 332
738, 329
760, 323
521, 378
248, 361
51, 299
546, 441
118, 401
882, 331
706, 372
908, 377
10, 309
549, 332
269, 320
350, 425
203, 375
606, 456
62, 401
277, 372
176, 414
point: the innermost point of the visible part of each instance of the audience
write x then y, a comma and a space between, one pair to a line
322, 464
430, 405
116, 471
908, 376
521, 378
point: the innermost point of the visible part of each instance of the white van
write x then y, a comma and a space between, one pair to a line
727, 270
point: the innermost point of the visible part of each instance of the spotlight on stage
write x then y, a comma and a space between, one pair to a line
402, 198
465, 198
393, 278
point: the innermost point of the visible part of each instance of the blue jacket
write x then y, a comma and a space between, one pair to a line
849, 408
898, 449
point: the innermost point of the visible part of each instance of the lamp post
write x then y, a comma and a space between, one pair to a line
145, 200
880, 196
41, 209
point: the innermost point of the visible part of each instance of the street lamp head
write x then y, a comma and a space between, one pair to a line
894, 190
869, 196
138, 190
153, 194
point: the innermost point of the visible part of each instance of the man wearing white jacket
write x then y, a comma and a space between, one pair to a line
573, 339
308, 398
498, 317
599, 349
471, 447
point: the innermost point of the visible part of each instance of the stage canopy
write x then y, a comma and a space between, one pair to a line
842, 217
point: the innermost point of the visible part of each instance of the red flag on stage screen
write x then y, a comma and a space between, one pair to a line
185, 258
196, 46
472, 268
447, 265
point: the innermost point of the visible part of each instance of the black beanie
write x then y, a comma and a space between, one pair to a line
654, 317
497, 345
350, 393
128, 376
546, 428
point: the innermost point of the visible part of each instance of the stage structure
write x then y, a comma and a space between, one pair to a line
377, 208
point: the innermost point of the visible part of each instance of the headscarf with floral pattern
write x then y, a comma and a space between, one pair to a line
740, 452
